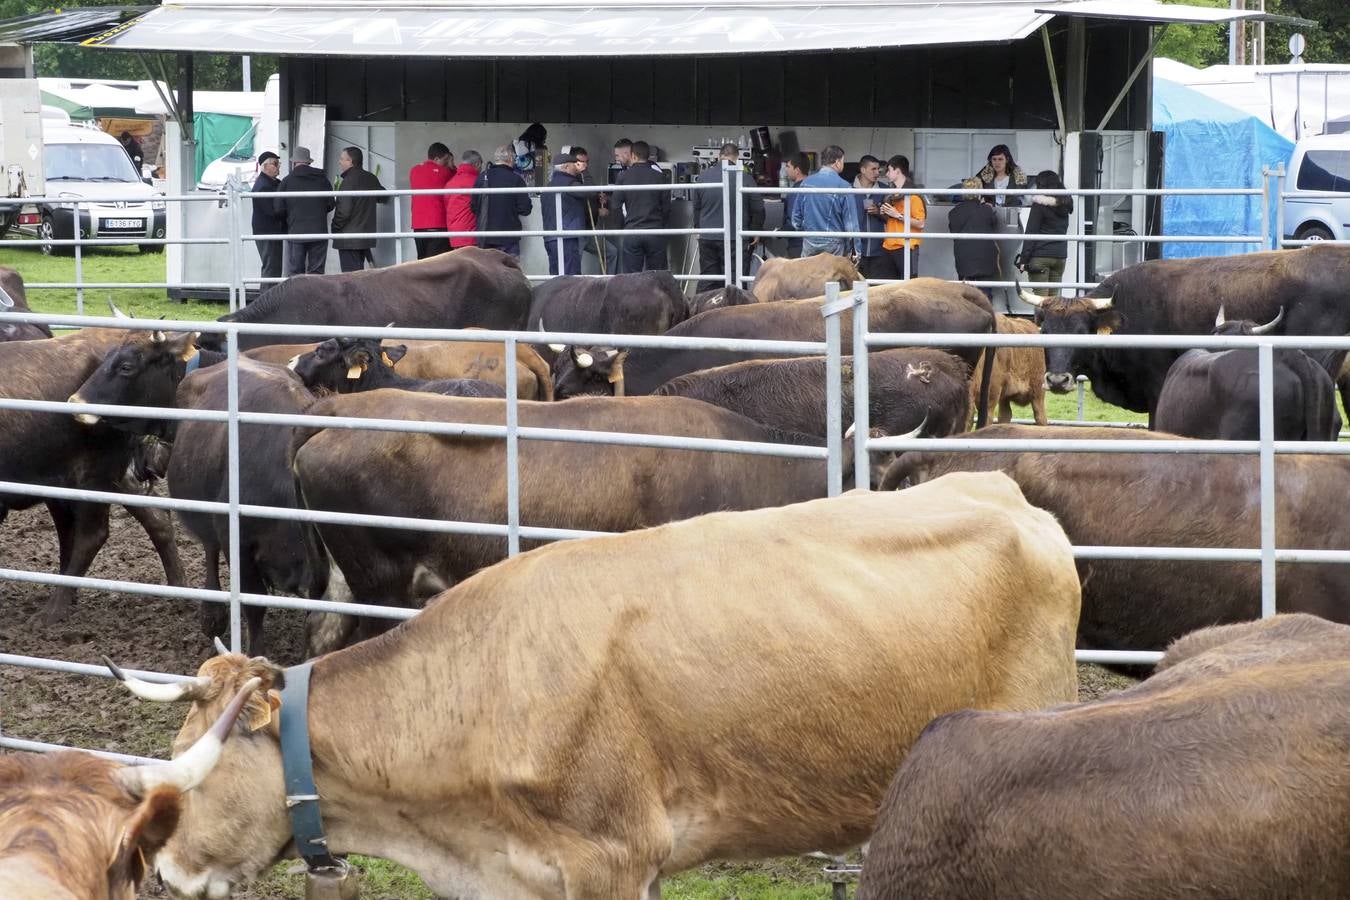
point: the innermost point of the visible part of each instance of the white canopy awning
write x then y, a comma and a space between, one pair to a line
563, 28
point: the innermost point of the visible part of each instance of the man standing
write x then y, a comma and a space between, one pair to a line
428, 210
623, 152
355, 215
642, 211
305, 215
868, 207
269, 216
827, 212
708, 206
459, 215
567, 171
796, 165
500, 212
976, 259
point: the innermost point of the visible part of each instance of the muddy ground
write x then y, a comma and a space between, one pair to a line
144, 633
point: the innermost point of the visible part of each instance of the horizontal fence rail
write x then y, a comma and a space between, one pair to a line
510, 431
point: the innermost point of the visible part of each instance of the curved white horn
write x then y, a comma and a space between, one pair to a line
192, 689
1219, 319
917, 432
848, 435
1100, 303
5, 301
556, 348
1269, 326
584, 359
293, 362
117, 313
221, 649
1028, 297
192, 767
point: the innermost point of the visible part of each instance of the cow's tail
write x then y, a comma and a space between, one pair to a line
536, 364
325, 631
1320, 415
986, 376
901, 472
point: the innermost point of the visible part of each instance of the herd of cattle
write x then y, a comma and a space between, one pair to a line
746, 669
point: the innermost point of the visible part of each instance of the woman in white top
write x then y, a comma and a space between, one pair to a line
1002, 172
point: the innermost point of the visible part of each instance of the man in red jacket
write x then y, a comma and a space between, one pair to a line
428, 211
458, 211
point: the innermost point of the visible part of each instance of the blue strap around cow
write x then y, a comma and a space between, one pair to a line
302, 797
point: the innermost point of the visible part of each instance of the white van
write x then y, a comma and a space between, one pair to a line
1320, 163
86, 164
242, 159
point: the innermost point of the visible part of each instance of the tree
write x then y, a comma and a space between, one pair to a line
1207, 45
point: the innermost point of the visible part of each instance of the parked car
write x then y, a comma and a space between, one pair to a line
86, 164
1319, 164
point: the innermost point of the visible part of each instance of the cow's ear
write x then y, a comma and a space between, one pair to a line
149, 827
1108, 321
616, 367
260, 710
393, 353
357, 362
181, 344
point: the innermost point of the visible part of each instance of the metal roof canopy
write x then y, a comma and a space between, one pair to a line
609, 28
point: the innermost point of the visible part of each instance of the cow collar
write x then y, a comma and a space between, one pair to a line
193, 363
297, 766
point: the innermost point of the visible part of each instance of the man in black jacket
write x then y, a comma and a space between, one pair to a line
355, 215
269, 217
642, 210
976, 259
305, 215
708, 213
500, 212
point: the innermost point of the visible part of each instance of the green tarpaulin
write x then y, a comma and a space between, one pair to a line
77, 112
217, 133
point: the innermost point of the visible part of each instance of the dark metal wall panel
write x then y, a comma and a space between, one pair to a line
632, 84
675, 87
386, 84
853, 80
466, 95
424, 90
548, 91
806, 89
762, 90
721, 86
1033, 100
346, 88
589, 89
512, 80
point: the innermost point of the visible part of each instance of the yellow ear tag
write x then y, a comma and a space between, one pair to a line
387, 361
355, 372
1105, 329
260, 714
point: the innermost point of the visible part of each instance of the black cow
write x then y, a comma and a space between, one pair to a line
595, 487
1183, 296
12, 290
56, 450
909, 387
1223, 775
730, 295
638, 303
468, 287
1215, 394
1169, 500
348, 365
919, 305
272, 557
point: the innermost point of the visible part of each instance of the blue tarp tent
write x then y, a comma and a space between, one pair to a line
1211, 144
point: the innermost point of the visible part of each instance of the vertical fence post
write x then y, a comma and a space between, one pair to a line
740, 218
232, 458
398, 229
1266, 241
1266, 364
834, 442
729, 257
1279, 206
558, 239
906, 236
232, 191
1082, 394
79, 257
512, 452
862, 417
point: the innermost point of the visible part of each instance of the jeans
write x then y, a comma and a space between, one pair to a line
306, 257
510, 248
817, 246
355, 260
644, 252
571, 255
713, 267
270, 254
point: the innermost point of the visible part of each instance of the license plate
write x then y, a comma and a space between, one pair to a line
123, 223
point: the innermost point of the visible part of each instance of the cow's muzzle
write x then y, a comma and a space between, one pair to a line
82, 418
1059, 382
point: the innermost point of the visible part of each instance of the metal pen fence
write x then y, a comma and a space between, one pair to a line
511, 432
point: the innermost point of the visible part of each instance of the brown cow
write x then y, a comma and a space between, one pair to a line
588, 718
11, 287
1018, 377
1223, 775
801, 279
74, 826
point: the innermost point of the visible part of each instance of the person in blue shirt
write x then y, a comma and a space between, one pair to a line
869, 211
827, 212
568, 167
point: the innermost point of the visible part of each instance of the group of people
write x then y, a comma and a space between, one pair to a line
904, 216
308, 216
494, 220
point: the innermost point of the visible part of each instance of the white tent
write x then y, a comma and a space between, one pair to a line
1295, 100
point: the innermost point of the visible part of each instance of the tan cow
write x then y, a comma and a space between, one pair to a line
432, 360
1018, 377
582, 720
74, 826
801, 279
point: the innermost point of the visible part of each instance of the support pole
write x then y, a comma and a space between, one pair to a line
1266, 363
834, 441
512, 452
1075, 74
862, 414
729, 257
232, 459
